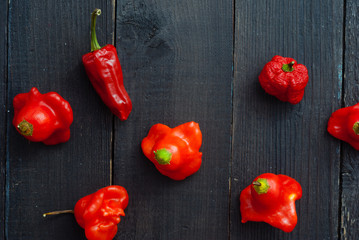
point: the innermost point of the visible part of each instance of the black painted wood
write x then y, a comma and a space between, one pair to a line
350, 167
47, 40
277, 137
177, 64
3, 83
177, 59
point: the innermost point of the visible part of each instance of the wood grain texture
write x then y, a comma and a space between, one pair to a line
177, 64
277, 137
47, 41
350, 167
3, 112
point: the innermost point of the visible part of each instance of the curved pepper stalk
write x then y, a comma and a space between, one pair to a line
42, 117
104, 71
174, 151
271, 199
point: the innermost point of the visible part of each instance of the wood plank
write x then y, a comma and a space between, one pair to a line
177, 64
350, 167
3, 110
277, 137
47, 40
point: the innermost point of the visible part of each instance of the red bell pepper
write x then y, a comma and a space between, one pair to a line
99, 213
104, 71
42, 117
174, 151
271, 199
344, 125
284, 79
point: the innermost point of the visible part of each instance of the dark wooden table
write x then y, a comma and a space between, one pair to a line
182, 60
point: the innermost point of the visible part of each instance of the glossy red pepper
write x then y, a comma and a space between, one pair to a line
99, 213
104, 71
271, 199
42, 117
174, 151
344, 125
284, 79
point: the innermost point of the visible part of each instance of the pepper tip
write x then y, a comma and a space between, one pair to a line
97, 11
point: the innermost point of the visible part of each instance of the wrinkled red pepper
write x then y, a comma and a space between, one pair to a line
42, 117
284, 79
271, 199
99, 213
104, 71
174, 151
344, 125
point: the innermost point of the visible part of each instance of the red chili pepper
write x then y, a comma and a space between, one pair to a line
42, 117
271, 199
174, 151
284, 79
104, 71
99, 213
344, 125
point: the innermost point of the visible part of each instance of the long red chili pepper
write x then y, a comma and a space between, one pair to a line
271, 199
99, 213
104, 71
42, 117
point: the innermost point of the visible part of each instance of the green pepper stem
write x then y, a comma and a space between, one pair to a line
94, 42
288, 67
356, 128
57, 212
257, 183
163, 156
261, 185
25, 128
